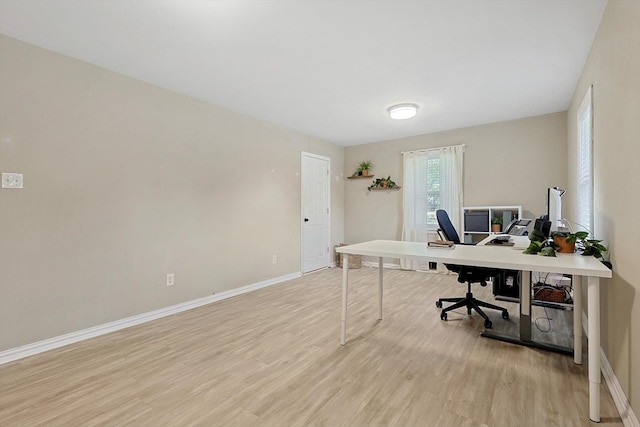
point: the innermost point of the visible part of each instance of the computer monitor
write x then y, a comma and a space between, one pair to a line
554, 207
476, 221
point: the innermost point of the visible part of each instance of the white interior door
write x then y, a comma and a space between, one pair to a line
315, 212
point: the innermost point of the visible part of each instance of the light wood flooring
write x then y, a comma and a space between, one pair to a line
272, 358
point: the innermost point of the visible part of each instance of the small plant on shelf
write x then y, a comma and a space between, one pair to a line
363, 168
382, 183
496, 225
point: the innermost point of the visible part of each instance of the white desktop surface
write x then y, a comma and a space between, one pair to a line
509, 258
503, 257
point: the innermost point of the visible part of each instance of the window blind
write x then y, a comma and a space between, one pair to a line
584, 168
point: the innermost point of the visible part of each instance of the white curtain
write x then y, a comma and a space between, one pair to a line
422, 196
451, 180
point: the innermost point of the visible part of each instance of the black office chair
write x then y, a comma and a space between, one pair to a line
466, 274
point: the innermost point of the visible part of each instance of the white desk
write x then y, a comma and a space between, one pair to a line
509, 258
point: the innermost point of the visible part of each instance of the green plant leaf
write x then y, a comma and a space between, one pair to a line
533, 248
581, 235
548, 251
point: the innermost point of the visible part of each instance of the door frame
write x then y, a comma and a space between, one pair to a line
304, 154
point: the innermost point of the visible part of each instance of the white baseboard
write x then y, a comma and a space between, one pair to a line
73, 337
629, 418
620, 399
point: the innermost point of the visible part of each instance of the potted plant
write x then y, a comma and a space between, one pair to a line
382, 183
363, 168
566, 242
496, 225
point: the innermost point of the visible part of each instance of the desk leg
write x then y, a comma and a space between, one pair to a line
380, 288
345, 289
525, 306
577, 319
593, 330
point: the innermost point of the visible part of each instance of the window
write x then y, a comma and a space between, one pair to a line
422, 188
433, 189
584, 216
432, 180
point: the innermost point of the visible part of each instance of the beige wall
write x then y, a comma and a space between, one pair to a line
613, 68
125, 182
507, 163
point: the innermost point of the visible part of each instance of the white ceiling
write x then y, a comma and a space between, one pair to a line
331, 68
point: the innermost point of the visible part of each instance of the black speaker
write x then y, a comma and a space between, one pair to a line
542, 226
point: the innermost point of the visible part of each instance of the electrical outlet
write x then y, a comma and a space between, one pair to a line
274, 259
171, 279
11, 180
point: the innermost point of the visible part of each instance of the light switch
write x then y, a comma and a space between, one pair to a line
11, 180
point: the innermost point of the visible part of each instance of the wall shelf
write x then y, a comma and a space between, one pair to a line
360, 176
383, 188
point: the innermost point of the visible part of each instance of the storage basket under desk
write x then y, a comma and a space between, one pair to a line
355, 261
551, 294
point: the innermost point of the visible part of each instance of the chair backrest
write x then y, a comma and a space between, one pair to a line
446, 226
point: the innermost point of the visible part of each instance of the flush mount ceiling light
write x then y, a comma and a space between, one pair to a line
403, 111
